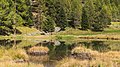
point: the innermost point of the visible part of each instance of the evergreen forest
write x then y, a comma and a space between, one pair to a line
45, 15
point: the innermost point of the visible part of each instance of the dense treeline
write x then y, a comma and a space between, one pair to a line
47, 14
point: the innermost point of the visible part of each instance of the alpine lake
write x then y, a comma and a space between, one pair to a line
62, 53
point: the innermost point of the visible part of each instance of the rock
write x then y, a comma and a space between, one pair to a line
57, 29
57, 43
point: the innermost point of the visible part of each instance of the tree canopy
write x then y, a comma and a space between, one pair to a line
45, 15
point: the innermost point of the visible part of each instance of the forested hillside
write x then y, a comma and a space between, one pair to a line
45, 15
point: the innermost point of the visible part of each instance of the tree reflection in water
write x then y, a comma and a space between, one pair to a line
8, 43
59, 50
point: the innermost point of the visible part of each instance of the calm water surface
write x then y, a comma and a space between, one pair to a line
59, 49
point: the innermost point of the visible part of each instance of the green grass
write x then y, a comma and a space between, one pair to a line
27, 30
70, 34
115, 23
64, 37
71, 31
67, 34
109, 30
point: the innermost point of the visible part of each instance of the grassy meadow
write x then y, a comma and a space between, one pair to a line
113, 32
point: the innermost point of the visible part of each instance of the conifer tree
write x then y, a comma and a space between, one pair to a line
61, 20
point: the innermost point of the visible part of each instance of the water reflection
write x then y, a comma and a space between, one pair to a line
100, 46
8, 43
60, 49
56, 52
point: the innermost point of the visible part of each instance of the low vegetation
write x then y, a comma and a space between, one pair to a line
13, 64
111, 57
80, 55
71, 31
28, 31
109, 33
70, 62
38, 50
108, 59
13, 55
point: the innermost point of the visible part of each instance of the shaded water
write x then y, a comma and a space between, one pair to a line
60, 49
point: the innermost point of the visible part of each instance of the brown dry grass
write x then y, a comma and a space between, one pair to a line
38, 48
39, 58
13, 64
13, 54
107, 59
71, 62
110, 55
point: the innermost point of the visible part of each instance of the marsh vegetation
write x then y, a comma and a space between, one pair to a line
66, 53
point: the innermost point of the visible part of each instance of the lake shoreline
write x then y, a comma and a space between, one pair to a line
49, 37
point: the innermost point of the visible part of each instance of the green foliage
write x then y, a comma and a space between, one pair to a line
14, 13
76, 13
88, 14
44, 15
61, 20
96, 15
23, 9
48, 25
